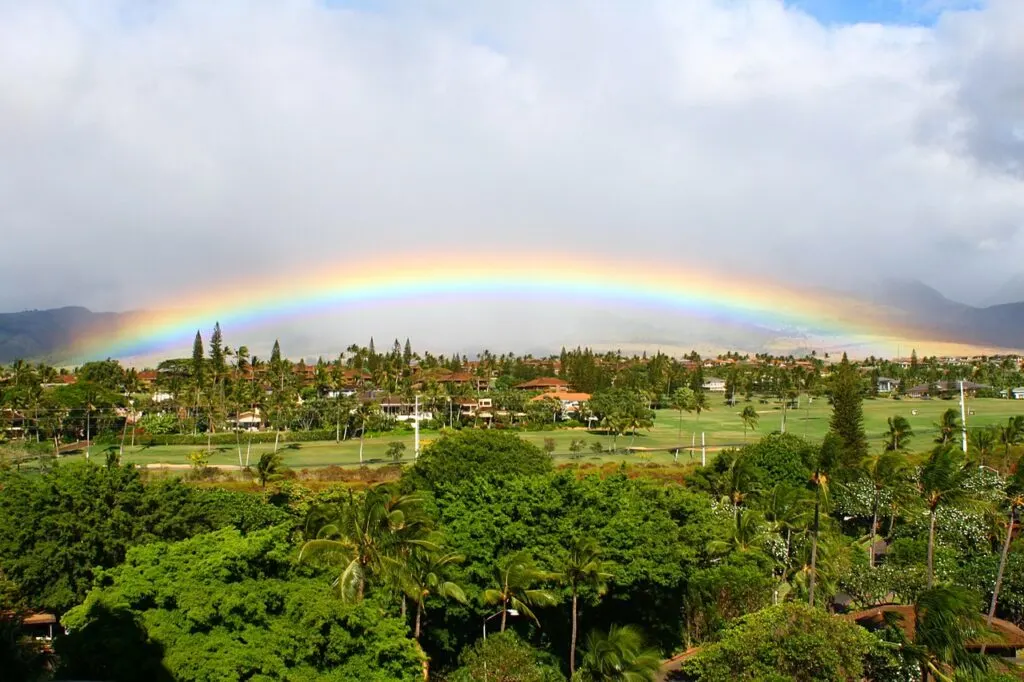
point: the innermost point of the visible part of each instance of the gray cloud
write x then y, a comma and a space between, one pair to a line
175, 145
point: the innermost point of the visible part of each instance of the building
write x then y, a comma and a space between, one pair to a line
546, 384
714, 385
568, 400
941, 389
1004, 639
887, 384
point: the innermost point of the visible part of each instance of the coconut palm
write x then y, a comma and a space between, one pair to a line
750, 418
268, 467
748, 533
425, 575
946, 617
582, 568
740, 482
982, 442
949, 427
362, 533
617, 656
899, 433
826, 458
1015, 502
942, 483
887, 474
514, 580
1009, 434
787, 509
682, 399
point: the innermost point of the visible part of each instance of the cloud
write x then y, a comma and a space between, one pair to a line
175, 145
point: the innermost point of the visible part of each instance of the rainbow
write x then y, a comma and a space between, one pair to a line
259, 301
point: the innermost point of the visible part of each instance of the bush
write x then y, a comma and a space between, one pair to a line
471, 454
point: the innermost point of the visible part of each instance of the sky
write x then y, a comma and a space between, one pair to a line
167, 146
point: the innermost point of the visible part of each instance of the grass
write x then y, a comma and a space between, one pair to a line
721, 425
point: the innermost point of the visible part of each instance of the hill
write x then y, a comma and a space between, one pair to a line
47, 334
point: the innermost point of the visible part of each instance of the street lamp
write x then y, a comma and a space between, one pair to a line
511, 612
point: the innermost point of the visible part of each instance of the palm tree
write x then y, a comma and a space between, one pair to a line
700, 403
945, 618
424, 575
515, 577
899, 433
747, 534
682, 399
617, 656
363, 414
268, 467
982, 441
742, 475
826, 458
1015, 501
942, 483
360, 534
1010, 434
949, 426
582, 568
887, 474
750, 418
786, 508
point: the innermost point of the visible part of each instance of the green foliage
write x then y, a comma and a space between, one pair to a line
728, 590
56, 529
395, 450
227, 606
847, 411
106, 373
466, 455
269, 467
504, 657
618, 655
789, 642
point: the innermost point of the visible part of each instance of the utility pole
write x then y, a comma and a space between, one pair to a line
703, 451
963, 416
416, 428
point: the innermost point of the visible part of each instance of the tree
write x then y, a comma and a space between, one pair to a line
618, 655
1015, 501
576, 447
240, 596
514, 580
425, 575
826, 460
504, 657
582, 568
887, 473
1009, 435
945, 618
847, 411
750, 418
197, 360
790, 641
395, 451
949, 427
943, 482
899, 434
982, 441
682, 399
361, 534
471, 453
268, 467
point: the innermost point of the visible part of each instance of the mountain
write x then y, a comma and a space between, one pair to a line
924, 307
47, 334
1011, 292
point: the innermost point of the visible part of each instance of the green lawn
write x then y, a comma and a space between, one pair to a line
721, 425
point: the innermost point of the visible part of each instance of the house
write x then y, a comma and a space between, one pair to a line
1016, 393
248, 421
1004, 639
946, 388
714, 385
569, 401
546, 384
887, 384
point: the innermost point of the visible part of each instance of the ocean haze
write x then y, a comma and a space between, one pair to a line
182, 146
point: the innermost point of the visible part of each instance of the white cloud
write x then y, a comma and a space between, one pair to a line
183, 143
